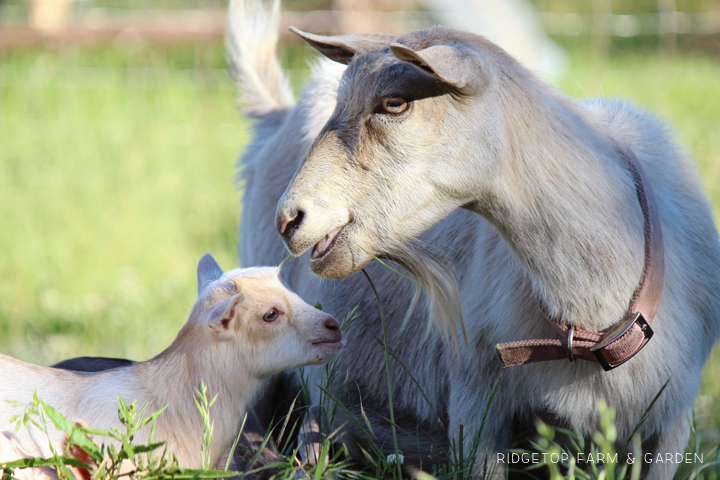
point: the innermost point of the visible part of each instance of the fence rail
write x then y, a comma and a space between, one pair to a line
96, 25
633, 24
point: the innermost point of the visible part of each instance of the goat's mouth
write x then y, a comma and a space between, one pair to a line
326, 349
336, 255
325, 246
333, 343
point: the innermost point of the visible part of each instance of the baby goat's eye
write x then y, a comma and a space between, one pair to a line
393, 105
271, 315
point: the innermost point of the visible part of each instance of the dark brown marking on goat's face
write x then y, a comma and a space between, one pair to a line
357, 123
384, 178
369, 79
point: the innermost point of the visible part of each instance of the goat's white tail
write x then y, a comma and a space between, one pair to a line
251, 41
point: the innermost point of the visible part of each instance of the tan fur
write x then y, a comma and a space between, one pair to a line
11, 450
225, 343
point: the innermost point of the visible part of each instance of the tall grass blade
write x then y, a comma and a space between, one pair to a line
387, 370
285, 260
287, 420
235, 443
414, 380
644, 417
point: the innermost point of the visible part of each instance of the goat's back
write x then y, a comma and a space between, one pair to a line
88, 397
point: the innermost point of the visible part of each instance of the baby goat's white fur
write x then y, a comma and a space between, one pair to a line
225, 343
11, 450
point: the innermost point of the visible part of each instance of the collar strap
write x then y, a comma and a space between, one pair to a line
618, 344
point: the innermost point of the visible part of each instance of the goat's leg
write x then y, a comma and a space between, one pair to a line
249, 456
281, 405
11, 450
310, 438
253, 452
670, 442
489, 459
483, 448
282, 398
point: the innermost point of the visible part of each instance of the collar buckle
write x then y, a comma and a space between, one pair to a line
614, 334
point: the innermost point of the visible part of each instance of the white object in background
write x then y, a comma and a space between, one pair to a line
512, 24
50, 14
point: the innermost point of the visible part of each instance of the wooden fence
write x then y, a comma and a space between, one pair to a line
62, 21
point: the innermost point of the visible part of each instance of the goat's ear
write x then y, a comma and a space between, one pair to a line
222, 323
207, 271
458, 65
342, 48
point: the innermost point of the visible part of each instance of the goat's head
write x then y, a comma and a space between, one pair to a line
252, 313
400, 152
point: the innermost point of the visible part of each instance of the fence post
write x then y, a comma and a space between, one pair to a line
601, 29
50, 14
668, 27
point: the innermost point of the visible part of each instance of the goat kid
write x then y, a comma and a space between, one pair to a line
388, 149
245, 326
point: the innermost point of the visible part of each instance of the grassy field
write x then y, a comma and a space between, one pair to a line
116, 175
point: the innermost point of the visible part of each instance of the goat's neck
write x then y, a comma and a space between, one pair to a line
176, 375
567, 205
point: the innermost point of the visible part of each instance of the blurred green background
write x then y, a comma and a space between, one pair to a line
117, 174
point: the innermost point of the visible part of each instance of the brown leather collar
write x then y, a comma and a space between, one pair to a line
618, 344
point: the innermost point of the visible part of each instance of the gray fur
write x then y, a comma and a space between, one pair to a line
550, 220
207, 272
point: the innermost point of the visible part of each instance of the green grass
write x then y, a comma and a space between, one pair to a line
114, 180
116, 175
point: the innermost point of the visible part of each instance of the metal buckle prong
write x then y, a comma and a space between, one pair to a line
571, 334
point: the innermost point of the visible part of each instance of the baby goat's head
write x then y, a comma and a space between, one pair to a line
250, 311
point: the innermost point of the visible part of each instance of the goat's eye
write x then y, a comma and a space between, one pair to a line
394, 105
271, 315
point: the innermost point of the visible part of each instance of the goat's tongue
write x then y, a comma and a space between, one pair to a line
324, 245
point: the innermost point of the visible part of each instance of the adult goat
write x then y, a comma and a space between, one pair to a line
526, 195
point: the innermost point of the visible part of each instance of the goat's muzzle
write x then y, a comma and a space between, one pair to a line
329, 339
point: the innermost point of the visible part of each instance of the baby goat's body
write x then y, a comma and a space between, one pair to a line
231, 342
91, 397
164, 380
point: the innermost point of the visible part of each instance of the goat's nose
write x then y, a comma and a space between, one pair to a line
288, 220
331, 324
334, 327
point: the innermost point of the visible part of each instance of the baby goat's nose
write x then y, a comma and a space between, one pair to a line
331, 324
334, 328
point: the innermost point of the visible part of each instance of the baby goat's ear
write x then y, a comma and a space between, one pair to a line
459, 66
223, 322
342, 48
207, 271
